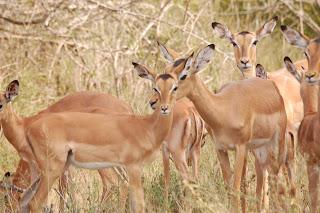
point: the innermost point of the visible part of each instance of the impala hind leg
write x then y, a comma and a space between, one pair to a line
136, 189
313, 177
244, 186
63, 187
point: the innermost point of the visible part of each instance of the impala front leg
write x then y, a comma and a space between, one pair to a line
166, 171
225, 166
313, 176
241, 152
136, 189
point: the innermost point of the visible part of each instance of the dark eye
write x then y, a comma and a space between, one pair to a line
0, 106
156, 90
255, 42
306, 54
234, 44
175, 89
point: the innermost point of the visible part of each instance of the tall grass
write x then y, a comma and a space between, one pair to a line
89, 45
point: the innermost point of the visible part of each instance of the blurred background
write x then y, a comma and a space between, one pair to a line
58, 47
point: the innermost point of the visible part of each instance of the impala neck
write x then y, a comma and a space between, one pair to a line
161, 125
248, 73
209, 105
13, 127
311, 100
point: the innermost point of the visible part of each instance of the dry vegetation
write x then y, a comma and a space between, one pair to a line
57, 47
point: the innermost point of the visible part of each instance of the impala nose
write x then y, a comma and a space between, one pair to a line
310, 75
244, 61
165, 109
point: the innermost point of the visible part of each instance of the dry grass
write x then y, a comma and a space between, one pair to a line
56, 48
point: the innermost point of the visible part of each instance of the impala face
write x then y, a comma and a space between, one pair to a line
244, 44
311, 49
308, 92
165, 88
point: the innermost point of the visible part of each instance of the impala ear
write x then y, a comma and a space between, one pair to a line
203, 58
187, 68
169, 54
222, 31
295, 38
292, 68
12, 90
267, 28
144, 72
261, 72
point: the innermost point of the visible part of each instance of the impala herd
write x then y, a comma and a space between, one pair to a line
266, 114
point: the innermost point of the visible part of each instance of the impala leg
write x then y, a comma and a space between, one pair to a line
259, 186
63, 186
136, 190
243, 185
239, 163
290, 164
313, 177
166, 171
225, 166
46, 181
195, 161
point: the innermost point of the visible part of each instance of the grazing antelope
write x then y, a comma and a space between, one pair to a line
245, 44
96, 141
239, 119
183, 142
14, 128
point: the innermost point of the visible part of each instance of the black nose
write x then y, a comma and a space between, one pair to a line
164, 108
244, 61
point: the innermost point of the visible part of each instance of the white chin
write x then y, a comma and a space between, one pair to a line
165, 113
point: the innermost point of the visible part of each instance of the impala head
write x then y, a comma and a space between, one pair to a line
164, 86
245, 43
10, 93
308, 92
261, 72
185, 69
311, 49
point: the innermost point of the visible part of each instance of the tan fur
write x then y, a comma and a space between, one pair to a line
14, 128
128, 140
308, 137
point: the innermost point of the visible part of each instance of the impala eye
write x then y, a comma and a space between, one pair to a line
1, 106
156, 90
255, 42
175, 89
306, 54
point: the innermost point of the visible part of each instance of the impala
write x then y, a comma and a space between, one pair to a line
308, 135
97, 141
245, 45
14, 128
183, 142
239, 118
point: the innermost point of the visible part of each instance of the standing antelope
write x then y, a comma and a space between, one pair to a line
245, 44
14, 128
96, 141
183, 142
308, 134
239, 118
